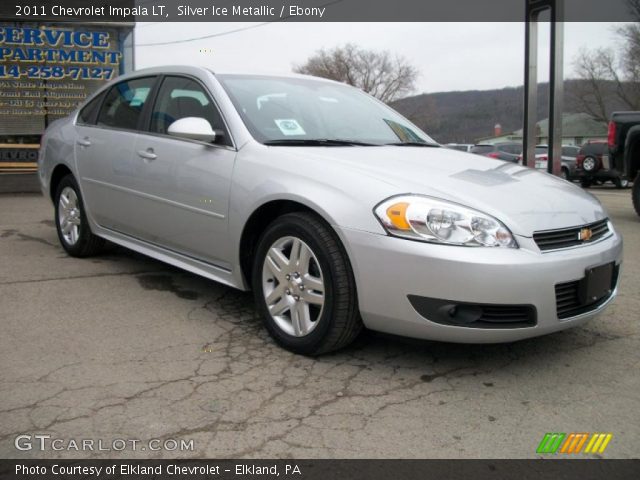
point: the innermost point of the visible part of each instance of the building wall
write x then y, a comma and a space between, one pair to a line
46, 70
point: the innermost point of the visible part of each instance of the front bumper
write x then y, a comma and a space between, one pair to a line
389, 269
600, 174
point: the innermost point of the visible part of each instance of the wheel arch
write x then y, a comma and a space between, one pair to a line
632, 153
259, 220
59, 172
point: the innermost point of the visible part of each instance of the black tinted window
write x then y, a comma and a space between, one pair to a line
570, 151
89, 112
181, 97
513, 149
482, 149
123, 105
594, 148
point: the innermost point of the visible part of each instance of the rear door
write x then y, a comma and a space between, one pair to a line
104, 152
184, 184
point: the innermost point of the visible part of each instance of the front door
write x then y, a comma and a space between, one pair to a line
183, 185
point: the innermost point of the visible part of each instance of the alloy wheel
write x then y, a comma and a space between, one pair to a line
293, 286
69, 217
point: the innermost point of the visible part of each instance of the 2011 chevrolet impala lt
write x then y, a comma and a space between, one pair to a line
336, 211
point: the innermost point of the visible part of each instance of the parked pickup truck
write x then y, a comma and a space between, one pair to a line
624, 149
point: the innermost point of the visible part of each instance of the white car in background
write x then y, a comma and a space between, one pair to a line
462, 147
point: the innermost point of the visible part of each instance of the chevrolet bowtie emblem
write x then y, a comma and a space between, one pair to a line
585, 234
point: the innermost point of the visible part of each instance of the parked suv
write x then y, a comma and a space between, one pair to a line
624, 148
593, 165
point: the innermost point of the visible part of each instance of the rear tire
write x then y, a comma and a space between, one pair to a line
299, 249
71, 221
621, 182
564, 174
635, 194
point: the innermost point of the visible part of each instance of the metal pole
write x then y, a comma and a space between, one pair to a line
533, 9
530, 87
556, 88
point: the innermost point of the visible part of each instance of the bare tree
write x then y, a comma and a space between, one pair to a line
610, 76
596, 70
380, 74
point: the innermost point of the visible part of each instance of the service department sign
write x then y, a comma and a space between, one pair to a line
47, 70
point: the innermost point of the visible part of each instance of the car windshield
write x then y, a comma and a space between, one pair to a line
300, 111
541, 150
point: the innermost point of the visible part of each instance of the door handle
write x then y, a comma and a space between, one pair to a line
83, 142
147, 154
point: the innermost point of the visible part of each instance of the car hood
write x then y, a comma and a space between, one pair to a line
524, 199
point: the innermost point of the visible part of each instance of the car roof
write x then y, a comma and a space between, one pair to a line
498, 144
193, 69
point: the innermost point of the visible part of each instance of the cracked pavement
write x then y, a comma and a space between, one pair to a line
120, 346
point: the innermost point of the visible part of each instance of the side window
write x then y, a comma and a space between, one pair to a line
123, 104
87, 116
570, 151
507, 149
181, 97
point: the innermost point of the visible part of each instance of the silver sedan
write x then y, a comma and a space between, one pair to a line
335, 210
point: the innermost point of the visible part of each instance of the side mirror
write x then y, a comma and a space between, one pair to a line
194, 128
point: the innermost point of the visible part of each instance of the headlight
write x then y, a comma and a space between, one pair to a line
589, 164
432, 220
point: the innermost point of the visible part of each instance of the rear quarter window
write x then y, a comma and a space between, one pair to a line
123, 104
89, 112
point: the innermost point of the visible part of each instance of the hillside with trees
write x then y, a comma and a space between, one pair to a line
464, 117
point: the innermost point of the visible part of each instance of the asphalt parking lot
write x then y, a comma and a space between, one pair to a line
123, 347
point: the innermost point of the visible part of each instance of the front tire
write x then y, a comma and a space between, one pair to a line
304, 286
73, 228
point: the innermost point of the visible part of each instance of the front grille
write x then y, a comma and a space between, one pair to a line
567, 298
507, 314
568, 302
570, 237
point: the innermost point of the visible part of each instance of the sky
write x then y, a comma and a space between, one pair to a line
449, 56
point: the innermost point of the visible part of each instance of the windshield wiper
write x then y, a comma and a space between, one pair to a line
317, 142
413, 144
